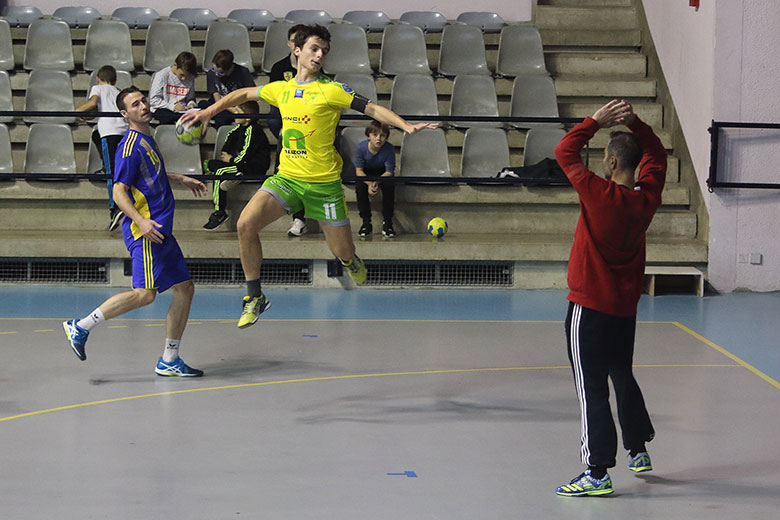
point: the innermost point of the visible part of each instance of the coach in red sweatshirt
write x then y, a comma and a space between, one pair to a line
606, 273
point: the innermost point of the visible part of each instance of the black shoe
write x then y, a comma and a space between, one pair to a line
387, 229
216, 218
115, 219
365, 229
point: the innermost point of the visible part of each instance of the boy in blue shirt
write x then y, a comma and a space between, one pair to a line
375, 157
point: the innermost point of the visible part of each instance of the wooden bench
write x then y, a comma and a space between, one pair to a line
677, 277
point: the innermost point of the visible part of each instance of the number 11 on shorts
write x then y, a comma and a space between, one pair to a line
330, 211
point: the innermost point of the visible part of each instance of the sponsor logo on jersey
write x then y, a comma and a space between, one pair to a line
288, 75
295, 119
299, 92
346, 88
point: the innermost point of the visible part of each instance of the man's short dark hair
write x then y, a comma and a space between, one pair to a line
187, 62
223, 59
375, 127
294, 29
107, 73
120, 98
307, 31
626, 147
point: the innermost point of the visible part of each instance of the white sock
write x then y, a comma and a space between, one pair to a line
171, 351
92, 319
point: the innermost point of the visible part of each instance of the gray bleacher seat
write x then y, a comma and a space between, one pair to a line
6, 160
540, 143
136, 17
194, 17
49, 149
6, 46
364, 85
474, 95
49, 90
77, 17
370, 21
21, 15
123, 80
414, 95
533, 96
252, 19
94, 158
424, 154
486, 21
348, 141
219, 141
179, 157
275, 46
348, 50
227, 34
165, 39
428, 21
48, 45
403, 50
485, 152
6, 101
108, 43
520, 51
308, 17
462, 51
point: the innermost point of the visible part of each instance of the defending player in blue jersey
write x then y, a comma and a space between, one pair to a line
142, 191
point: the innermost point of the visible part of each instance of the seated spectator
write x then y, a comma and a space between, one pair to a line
173, 89
109, 131
223, 78
375, 158
285, 70
246, 152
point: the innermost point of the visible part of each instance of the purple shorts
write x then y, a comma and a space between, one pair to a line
157, 266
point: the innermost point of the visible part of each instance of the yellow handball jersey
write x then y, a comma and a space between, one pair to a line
310, 114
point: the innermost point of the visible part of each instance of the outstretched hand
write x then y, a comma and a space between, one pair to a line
413, 129
196, 115
614, 113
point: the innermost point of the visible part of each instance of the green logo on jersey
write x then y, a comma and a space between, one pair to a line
296, 137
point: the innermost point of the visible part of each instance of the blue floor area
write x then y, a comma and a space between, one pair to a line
745, 324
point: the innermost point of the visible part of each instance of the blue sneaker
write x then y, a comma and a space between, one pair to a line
640, 463
176, 368
77, 337
585, 485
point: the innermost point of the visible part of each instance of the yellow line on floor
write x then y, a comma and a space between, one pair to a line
729, 355
43, 330
9, 332
324, 378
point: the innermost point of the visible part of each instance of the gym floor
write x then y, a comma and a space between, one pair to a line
377, 404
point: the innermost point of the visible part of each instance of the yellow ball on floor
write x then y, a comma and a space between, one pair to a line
437, 227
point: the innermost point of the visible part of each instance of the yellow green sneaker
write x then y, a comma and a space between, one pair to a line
586, 485
640, 462
356, 269
253, 307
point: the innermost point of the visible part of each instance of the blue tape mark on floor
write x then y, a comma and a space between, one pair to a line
410, 474
310, 336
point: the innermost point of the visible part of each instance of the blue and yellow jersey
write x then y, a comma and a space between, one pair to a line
310, 114
139, 165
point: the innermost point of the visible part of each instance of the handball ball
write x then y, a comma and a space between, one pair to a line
190, 135
437, 227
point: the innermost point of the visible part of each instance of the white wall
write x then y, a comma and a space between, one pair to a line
510, 10
722, 63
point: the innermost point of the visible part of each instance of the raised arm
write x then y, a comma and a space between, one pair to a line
235, 98
388, 117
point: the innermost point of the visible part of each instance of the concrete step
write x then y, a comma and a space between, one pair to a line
586, 17
651, 113
582, 3
589, 37
590, 63
454, 246
589, 86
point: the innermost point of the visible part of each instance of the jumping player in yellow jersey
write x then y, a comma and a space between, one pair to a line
309, 168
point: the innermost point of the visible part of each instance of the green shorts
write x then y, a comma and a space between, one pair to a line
323, 201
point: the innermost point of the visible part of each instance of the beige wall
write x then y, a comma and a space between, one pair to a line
723, 63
